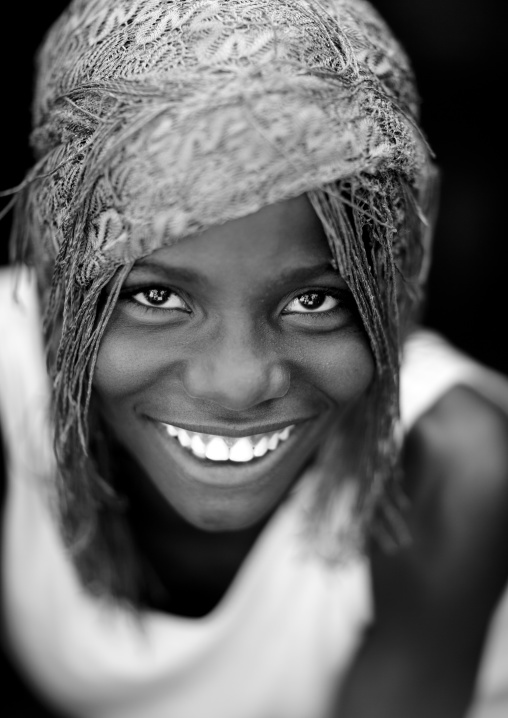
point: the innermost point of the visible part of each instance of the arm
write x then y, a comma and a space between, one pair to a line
434, 599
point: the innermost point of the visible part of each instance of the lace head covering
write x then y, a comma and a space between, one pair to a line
155, 119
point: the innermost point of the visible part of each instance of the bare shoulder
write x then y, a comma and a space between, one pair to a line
456, 472
457, 455
434, 597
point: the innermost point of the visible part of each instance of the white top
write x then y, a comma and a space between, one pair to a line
276, 646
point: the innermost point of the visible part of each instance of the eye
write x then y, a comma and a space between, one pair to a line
158, 298
312, 302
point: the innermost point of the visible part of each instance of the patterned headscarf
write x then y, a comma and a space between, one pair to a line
155, 119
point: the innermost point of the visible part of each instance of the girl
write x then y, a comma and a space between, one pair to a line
229, 221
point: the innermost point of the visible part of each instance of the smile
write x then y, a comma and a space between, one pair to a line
226, 448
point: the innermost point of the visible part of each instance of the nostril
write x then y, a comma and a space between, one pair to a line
280, 380
237, 386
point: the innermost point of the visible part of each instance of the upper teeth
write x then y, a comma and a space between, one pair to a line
228, 448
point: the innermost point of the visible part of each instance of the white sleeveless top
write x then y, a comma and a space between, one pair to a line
279, 642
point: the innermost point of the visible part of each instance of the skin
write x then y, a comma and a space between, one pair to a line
231, 351
434, 599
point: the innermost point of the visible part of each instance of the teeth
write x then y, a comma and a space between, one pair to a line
184, 438
284, 433
217, 449
261, 447
241, 451
198, 446
227, 448
273, 441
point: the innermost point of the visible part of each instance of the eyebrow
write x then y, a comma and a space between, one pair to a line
294, 274
165, 271
297, 274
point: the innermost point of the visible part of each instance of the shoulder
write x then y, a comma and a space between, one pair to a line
456, 478
456, 451
456, 462
433, 598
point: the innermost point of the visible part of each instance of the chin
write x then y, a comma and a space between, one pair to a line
221, 510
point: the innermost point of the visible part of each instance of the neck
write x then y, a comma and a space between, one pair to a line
188, 570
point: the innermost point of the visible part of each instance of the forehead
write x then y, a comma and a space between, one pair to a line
269, 244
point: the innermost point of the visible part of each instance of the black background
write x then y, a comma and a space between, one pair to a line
455, 46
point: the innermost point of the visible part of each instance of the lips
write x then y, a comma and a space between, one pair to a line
219, 448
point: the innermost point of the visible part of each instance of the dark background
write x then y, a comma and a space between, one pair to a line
455, 46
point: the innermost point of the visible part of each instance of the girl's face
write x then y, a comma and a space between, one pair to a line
225, 360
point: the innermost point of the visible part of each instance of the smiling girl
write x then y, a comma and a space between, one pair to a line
221, 367
229, 222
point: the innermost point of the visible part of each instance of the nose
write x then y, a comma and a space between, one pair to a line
236, 370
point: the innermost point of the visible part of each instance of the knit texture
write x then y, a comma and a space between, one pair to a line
155, 119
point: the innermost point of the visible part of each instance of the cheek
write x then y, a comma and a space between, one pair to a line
127, 362
343, 368
116, 371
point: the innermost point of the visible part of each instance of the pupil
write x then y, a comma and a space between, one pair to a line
157, 296
311, 300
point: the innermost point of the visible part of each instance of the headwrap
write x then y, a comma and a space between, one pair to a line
155, 119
